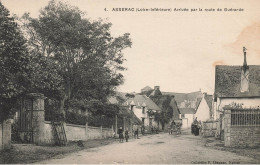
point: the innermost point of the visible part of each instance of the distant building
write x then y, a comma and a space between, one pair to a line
145, 89
148, 91
187, 104
144, 108
204, 110
187, 116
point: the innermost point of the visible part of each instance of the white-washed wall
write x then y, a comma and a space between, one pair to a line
203, 111
48, 133
94, 132
187, 121
77, 132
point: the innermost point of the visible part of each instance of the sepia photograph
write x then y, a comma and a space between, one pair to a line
129, 82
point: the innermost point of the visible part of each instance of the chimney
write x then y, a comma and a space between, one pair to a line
245, 67
244, 75
204, 94
156, 87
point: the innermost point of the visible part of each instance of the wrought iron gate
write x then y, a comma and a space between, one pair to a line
26, 120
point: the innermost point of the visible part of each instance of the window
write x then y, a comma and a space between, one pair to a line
143, 120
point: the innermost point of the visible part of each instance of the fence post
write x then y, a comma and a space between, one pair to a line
101, 131
124, 123
131, 127
86, 131
116, 126
112, 130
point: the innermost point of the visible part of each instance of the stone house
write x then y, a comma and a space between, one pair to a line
238, 87
236, 84
126, 117
144, 108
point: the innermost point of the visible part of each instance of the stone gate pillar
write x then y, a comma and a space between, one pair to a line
5, 134
37, 117
227, 125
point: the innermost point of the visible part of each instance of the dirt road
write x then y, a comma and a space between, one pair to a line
155, 149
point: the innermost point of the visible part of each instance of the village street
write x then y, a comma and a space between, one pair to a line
156, 149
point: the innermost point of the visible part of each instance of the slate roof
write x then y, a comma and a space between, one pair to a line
155, 92
228, 81
187, 110
162, 100
209, 100
181, 97
119, 99
140, 100
147, 88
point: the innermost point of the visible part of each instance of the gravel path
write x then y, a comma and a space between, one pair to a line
154, 149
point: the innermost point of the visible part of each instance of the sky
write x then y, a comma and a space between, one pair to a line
175, 50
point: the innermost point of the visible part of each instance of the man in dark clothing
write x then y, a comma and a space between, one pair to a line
142, 129
121, 136
126, 136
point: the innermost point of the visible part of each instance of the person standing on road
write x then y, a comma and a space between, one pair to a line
121, 136
126, 135
135, 128
173, 125
169, 129
142, 129
196, 127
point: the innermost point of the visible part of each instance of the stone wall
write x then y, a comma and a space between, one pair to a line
5, 135
209, 129
240, 136
245, 136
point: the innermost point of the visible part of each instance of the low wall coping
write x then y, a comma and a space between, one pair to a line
68, 124
47, 122
106, 128
75, 125
81, 126
94, 127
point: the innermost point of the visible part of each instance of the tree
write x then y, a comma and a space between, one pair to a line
89, 59
164, 102
14, 63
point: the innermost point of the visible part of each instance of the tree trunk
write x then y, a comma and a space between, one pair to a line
62, 105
